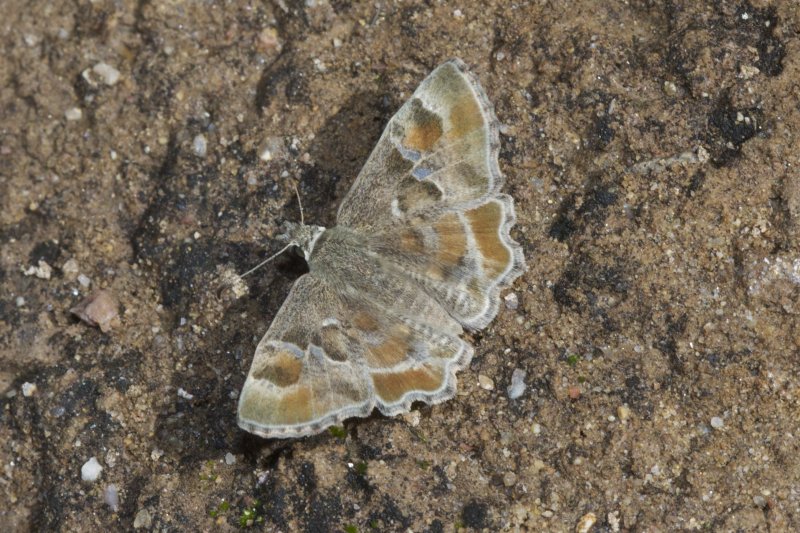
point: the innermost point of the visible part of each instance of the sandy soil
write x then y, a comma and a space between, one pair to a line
652, 150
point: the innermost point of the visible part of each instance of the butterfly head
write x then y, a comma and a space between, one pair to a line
303, 236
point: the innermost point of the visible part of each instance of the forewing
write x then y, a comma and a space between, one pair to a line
329, 356
439, 151
428, 197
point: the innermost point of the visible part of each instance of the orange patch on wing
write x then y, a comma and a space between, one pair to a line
282, 369
392, 386
391, 351
465, 116
365, 322
485, 222
411, 242
452, 241
294, 406
422, 136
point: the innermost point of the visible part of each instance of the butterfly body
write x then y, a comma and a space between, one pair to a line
419, 253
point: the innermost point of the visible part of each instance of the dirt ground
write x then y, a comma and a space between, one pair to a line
148, 149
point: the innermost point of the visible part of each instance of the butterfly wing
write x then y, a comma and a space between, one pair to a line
439, 150
331, 354
429, 197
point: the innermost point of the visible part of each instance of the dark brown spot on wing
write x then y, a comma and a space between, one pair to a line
333, 342
416, 195
281, 368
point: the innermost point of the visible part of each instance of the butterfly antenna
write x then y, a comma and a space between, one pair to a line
299, 203
267, 260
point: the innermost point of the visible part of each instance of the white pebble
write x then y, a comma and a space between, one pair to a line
20, 300
107, 73
517, 387
199, 145
28, 389
230, 458
717, 423
111, 497
90, 471
485, 382
73, 113
41, 271
143, 520
70, 268
512, 300
185, 395
84, 280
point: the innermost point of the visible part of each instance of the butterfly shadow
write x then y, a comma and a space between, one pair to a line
199, 420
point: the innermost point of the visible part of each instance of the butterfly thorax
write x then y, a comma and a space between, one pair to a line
301, 235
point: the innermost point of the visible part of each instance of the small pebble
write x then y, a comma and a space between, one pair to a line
185, 395
90, 471
98, 309
108, 74
84, 280
111, 497
509, 479
623, 412
412, 418
717, 423
230, 458
760, 501
73, 113
512, 300
272, 148
586, 523
20, 301
517, 387
485, 382
142, 520
200, 145
574, 392
70, 269
41, 271
28, 389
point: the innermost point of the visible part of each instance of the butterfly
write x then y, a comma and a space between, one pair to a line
419, 253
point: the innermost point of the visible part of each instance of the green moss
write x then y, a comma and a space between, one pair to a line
337, 431
250, 515
572, 359
221, 508
361, 469
423, 464
350, 528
